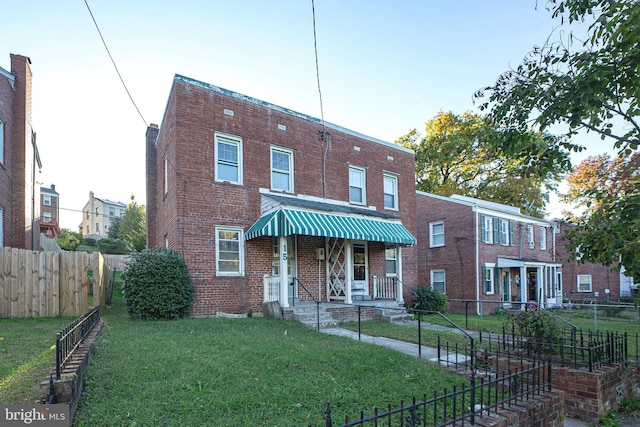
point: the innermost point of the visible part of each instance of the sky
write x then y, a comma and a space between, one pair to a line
385, 67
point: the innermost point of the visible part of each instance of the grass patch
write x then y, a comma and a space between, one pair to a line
378, 328
26, 357
253, 371
86, 248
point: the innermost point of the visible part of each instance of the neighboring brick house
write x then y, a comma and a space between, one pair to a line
19, 159
256, 197
97, 215
586, 281
49, 211
472, 249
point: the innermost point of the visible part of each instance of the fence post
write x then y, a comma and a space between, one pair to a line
328, 422
420, 337
359, 322
58, 354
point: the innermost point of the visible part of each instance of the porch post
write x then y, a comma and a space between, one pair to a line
399, 295
348, 271
284, 267
523, 286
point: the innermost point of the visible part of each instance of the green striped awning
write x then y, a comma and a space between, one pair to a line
286, 222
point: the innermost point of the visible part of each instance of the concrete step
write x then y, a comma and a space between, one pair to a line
393, 316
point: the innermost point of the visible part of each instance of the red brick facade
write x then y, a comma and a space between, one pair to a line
18, 197
466, 257
195, 203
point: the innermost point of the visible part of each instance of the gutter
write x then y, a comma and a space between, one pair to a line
477, 243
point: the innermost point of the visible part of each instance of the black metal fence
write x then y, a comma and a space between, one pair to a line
70, 338
483, 395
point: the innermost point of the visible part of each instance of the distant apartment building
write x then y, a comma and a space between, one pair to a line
19, 158
49, 211
98, 214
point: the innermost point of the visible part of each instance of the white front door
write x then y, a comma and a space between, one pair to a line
360, 284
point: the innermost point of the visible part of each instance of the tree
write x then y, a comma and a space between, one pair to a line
68, 240
465, 154
608, 229
132, 228
591, 86
114, 227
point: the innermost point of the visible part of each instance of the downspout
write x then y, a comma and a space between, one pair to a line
477, 241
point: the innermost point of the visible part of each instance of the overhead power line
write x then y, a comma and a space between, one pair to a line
114, 63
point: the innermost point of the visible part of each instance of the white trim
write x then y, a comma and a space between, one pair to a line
444, 279
240, 232
394, 179
363, 186
230, 140
431, 234
289, 153
590, 283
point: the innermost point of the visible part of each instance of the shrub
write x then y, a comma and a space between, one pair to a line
156, 285
68, 240
112, 246
89, 241
540, 329
429, 299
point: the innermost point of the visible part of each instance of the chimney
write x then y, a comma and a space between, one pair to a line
53, 187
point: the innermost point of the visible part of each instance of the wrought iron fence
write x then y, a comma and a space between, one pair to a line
460, 405
71, 337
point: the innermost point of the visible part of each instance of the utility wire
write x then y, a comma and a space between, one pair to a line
114, 63
324, 137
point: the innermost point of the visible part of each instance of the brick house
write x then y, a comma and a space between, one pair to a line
49, 211
473, 249
586, 281
97, 215
19, 159
267, 204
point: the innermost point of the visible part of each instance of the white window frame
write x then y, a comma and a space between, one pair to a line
1, 140
1, 227
444, 280
487, 237
46, 199
390, 188
489, 269
46, 216
362, 186
289, 153
240, 270
229, 140
432, 234
388, 259
543, 238
531, 240
166, 174
504, 232
586, 276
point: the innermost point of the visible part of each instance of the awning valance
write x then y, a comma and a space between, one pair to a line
286, 222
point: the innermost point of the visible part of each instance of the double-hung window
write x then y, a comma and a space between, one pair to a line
488, 277
391, 260
281, 169
47, 216
229, 251
543, 238
436, 234
584, 283
390, 191
487, 229
504, 232
530, 237
357, 192
46, 199
438, 281
228, 158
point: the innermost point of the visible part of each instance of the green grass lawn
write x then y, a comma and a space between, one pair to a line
26, 356
241, 372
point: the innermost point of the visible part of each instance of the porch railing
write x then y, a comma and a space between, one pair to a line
271, 288
385, 288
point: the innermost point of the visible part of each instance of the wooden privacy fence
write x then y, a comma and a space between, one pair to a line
47, 284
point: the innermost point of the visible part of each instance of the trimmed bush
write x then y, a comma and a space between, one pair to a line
541, 330
427, 298
156, 285
112, 246
89, 241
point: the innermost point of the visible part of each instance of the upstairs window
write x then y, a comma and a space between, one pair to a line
543, 238
282, 169
504, 232
228, 158
530, 237
46, 200
436, 234
357, 185
47, 216
487, 228
390, 191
